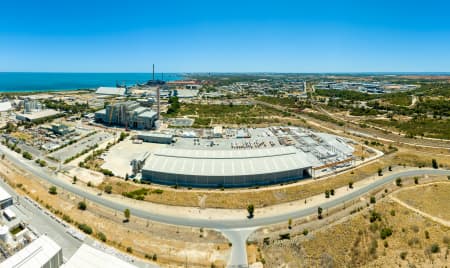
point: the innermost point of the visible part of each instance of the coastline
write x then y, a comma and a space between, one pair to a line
39, 82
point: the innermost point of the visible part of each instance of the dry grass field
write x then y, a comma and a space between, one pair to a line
356, 242
433, 199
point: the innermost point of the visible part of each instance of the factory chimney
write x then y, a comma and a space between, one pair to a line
153, 73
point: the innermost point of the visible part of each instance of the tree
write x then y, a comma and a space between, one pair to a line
350, 185
52, 190
126, 176
82, 205
3, 156
250, 210
27, 155
108, 189
290, 223
416, 180
390, 168
434, 163
327, 194
380, 172
127, 214
74, 179
398, 182
373, 200
332, 191
319, 212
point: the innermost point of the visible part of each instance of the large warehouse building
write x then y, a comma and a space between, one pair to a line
226, 168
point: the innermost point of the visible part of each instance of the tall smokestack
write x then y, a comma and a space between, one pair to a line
153, 73
158, 101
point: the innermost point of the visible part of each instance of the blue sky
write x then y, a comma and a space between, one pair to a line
224, 36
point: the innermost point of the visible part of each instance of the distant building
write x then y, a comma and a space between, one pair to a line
156, 137
31, 106
115, 91
5, 106
186, 93
61, 129
42, 252
218, 132
6, 199
38, 115
182, 82
128, 114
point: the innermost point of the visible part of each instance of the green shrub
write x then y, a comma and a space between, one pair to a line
434, 248
108, 189
52, 190
27, 155
403, 255
82, 205
385, 232
85, 228
101, 236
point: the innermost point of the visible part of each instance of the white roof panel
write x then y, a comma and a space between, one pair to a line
4, 195
36, 254
111, 91
226, 162
89, 257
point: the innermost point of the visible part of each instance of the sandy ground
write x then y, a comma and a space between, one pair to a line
119, 157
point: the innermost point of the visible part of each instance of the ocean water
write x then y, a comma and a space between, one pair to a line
35, 82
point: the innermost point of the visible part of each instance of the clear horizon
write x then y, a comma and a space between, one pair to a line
224, 37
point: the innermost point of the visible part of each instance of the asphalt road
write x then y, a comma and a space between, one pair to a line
215, 223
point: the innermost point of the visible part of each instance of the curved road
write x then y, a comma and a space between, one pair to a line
215, 224
236, 230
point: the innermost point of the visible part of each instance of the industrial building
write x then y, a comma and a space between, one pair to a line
61, 129
155, 137
6, 199
5, 106
42, 252
226, 168
90, 257
113, 91
38, 115
129, 114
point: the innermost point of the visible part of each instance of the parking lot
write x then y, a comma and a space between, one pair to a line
81, 145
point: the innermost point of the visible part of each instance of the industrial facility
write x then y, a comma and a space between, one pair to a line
244, 157
226, 168
129, 114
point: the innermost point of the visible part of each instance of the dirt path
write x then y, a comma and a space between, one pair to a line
426, 215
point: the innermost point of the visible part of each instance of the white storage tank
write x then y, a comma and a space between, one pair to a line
4, 233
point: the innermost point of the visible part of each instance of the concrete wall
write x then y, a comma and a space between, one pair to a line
224, 181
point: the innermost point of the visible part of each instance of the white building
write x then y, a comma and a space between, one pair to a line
6, 199
42, 252
5, 106
89, 257
117, 91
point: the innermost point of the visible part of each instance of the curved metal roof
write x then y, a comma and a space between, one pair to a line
227, 162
